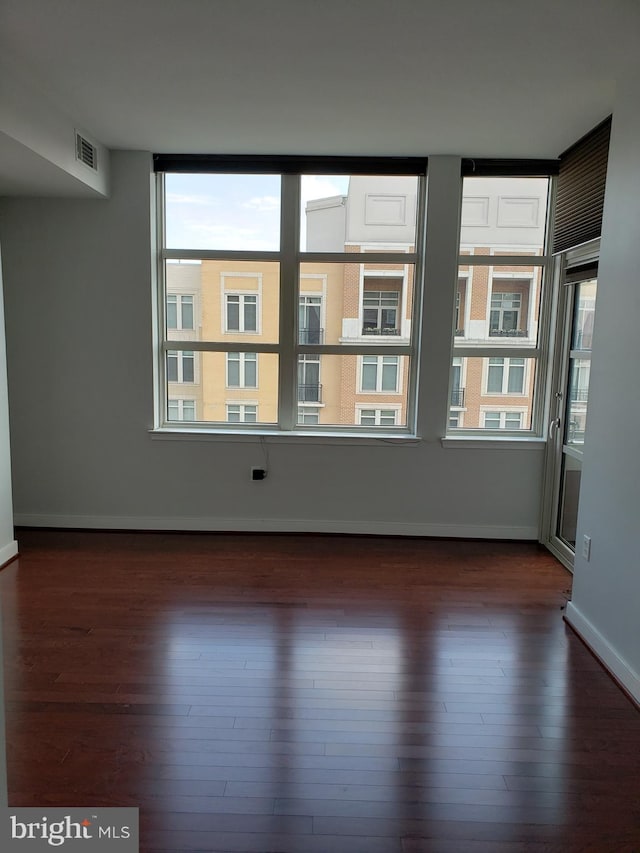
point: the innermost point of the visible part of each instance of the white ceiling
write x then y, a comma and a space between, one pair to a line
501, 78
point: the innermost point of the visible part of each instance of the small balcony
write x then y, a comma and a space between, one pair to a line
508, 333
457, 397
368, 330
310, 336
310, 393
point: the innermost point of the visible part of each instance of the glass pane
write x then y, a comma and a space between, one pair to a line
233, 369
233, 300
172, 312
584, 314
181, 410
376, 212
499, 308
182, 368
578, 400
492, 393
357, 303
503, 216
186, 313
569, 499
232, 212
340, 388
236, 387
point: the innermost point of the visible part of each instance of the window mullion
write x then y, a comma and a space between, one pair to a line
289, 247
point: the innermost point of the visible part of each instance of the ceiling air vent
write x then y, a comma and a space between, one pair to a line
86, 152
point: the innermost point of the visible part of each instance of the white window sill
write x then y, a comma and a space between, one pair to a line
490, 442
294, 437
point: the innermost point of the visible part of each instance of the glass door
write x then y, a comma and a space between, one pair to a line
567, 429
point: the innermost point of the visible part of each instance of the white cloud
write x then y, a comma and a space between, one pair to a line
186, 198
264, 202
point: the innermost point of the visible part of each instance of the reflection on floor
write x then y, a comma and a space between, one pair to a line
308, 694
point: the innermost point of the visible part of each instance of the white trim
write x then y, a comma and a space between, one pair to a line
8, 552
501, 410
379, 367
257, 292
279, 525
378, 408
506, 369
603, 650
171, 383
242, 360
491, 442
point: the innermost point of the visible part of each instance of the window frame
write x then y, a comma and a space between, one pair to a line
242, 407
506, 366
377, 410
379, 374
180, 401
182, 354
242, 296
292, 259
180, 297
242, 369
540, 270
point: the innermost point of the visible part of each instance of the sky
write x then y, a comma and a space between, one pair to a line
235, 212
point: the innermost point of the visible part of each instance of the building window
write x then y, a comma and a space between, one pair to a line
181, 410
242, 370
180, 366
505, 376
242, 413
308, 415
505, 313
377, 417
309, 387
310, 329
502, 420
180, 311
455, 419
241, 312
380, 312
379, 373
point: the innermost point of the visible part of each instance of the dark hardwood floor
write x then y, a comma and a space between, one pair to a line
309, 694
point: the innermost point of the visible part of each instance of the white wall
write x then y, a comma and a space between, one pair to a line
606, 590
37, 135
79, 330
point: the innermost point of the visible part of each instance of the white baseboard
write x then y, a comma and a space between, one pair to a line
8, 552
278, 525
604, 651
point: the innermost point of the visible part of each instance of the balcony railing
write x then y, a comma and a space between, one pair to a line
457, 397
508, 333
367, 330
459, 333
310, 336
310, 393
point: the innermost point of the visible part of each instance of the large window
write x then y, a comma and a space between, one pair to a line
290, 296
305, 284
499, 307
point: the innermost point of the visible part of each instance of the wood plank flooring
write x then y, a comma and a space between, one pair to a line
309, 694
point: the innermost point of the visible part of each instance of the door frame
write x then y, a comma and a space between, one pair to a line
562, 325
